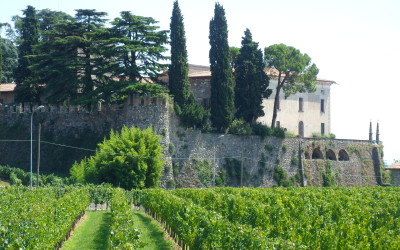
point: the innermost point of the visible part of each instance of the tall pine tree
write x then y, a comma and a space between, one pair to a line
251, 81
27, 89
222, 95
178, 69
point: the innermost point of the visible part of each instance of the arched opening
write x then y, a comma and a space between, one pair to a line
343, 155
317, 154
301, 129
307, 155
330, 155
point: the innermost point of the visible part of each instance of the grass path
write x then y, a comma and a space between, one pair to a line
93, 233
152, 233
94, 230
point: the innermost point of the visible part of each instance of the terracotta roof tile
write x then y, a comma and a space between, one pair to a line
395, 166
7, 87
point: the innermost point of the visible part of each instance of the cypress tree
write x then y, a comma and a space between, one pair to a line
251, 80
222, 95
1, 64
27, 89
178, 69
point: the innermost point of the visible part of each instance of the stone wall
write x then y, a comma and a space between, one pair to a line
193, 158
79, 129
258, 157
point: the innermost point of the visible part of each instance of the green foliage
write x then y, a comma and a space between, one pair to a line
222, 93
328, 177
233, 55
239, 127
269, 147
39, 218
295, 72
278, 132
328, 136
19, 177
280, 176
27, 88
141, 46
80, 61
124, 235
232, 167
171, 148
251, 81
143, 88
284, 148
294, 161
178, 69
261, 129
204, 172
263, 161
193, 114
129, 159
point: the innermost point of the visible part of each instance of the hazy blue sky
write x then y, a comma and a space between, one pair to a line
355, 43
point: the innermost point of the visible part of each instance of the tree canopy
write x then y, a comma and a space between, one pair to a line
79, 60
130, 159
222, 93
27, 88
179, 68
295, 71
9, 60
251, 80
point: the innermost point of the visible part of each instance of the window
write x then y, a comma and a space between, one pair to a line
278, 124
322, 105
278, 104
301, 104
301, 129
322, 128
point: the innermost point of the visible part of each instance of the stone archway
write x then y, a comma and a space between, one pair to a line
330, 155
317, 154
343, 155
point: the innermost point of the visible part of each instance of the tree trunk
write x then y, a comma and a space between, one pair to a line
275, 114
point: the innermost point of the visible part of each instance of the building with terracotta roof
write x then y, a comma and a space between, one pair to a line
303, 114
395, 170
7, 94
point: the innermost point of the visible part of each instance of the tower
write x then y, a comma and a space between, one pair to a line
370, 131
377, 132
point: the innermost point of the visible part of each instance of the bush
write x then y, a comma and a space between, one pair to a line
328, 136
261, 130
129, 159
240, 127
193, 114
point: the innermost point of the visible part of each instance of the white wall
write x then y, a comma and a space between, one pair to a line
289, 115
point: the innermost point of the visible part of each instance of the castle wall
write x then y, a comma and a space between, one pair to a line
191, 156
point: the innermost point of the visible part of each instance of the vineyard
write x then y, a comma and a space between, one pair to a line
219, 218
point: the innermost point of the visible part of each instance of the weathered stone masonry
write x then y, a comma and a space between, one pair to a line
354, 162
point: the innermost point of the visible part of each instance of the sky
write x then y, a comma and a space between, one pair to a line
355, 43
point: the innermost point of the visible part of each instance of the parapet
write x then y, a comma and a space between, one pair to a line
130, 102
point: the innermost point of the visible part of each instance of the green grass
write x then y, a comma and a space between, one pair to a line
93, 233
152, 233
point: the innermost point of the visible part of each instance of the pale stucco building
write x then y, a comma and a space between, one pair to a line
303, 114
